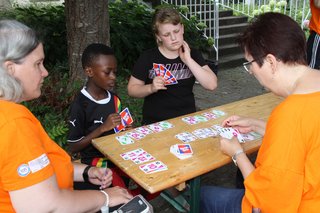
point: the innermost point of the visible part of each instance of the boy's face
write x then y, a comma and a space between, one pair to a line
102, 72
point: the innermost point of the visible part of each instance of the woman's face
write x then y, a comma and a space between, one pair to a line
171, 36
263, 74
31, 73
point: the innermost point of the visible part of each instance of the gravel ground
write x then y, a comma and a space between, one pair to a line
233, 84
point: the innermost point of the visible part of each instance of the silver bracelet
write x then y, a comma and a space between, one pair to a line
234, 157
107, 197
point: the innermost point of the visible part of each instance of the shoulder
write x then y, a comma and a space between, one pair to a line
10, 111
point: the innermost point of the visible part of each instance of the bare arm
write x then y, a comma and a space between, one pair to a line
230, 147
54, 199
204, 75
138, 89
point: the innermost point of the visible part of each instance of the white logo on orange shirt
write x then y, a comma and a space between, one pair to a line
39, 163
23, 170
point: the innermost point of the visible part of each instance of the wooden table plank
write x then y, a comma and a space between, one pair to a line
207, 155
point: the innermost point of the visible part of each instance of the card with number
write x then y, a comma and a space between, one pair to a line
230, 133
124, 139
205, 133
144, 130
218, 113
190, 120
132, 154
143, 157
186, 137
200, 118
209, 115
153, 167
135, 135
156, 127
165, 124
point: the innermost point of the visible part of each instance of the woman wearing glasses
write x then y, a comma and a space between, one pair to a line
286, 175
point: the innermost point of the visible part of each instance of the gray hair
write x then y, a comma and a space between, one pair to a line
16, 42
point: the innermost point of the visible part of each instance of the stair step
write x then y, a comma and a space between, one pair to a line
231, 29
229, 49
228, 39
232, 20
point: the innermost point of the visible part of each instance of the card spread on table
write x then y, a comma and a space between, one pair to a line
191, 120
124, 139
161, 70
181, 151
156, 127
143, 130
153, 167
209, 115
218, 113
126, 119
137, 156
205, 133
135, 135
186, 137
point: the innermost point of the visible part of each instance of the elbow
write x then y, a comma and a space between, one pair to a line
212, 85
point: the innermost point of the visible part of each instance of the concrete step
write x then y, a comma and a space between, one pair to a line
229, 49
231, 29
228, 39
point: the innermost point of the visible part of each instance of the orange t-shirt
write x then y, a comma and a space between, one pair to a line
287, 174
27, 154
315, 18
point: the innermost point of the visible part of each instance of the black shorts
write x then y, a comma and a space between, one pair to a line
313, 50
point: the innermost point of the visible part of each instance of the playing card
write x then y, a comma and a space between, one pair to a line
143, 130
165, 124
186, 137
230, 133
152, 167
209, 115
124, 140
126, 119
156, 127
156, 69
143, 157
218, 113
200, 118
135, 135
190, 120
132, 154
205, 133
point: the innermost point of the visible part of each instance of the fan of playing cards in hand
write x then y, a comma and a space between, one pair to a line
161, 70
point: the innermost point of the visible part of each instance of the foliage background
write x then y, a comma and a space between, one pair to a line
130, 34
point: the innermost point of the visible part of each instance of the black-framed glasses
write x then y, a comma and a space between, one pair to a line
247, 65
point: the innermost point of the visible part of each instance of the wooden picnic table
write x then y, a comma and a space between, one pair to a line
206, 152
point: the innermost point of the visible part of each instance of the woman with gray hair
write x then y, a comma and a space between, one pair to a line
34, 168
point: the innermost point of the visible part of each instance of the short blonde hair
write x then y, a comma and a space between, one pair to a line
165, 15
16, 42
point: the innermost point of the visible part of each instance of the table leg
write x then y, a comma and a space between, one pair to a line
195, 195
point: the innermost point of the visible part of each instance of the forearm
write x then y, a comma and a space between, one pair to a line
244, 164
204, 75
86, 141
78, 169
140, 91
259, 126
79, 201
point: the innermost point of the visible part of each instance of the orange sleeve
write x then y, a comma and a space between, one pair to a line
23, 159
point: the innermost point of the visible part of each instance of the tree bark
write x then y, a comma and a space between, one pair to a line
87, 22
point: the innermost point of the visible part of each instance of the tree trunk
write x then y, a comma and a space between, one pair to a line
87, 22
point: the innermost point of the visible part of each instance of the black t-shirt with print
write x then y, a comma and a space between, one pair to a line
178, 99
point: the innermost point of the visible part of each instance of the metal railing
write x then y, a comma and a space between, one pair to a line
207, 12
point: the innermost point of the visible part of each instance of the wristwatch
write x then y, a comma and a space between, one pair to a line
85, 174
234, 157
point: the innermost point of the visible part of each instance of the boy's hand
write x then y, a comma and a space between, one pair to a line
112, 121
